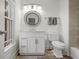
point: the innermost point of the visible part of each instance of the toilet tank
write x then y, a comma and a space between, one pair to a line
53, 37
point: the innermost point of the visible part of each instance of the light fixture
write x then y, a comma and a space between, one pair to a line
35, 7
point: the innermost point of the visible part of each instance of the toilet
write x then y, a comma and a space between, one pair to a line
57, 48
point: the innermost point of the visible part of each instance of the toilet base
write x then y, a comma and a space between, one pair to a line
58, 53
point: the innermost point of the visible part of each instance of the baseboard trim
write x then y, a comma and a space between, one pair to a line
32, 54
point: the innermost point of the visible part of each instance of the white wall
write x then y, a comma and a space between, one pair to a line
50, 8
64, 15
1, 28
17, 21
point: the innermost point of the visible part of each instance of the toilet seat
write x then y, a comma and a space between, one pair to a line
58, 44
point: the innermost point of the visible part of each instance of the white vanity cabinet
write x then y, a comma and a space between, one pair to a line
31, 44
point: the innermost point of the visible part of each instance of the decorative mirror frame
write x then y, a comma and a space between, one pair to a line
32, 21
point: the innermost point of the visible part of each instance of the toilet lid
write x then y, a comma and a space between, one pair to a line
58, 43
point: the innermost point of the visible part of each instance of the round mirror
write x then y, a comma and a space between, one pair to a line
32, 18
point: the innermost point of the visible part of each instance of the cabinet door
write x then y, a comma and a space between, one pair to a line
40, 46
31, 45
23, 45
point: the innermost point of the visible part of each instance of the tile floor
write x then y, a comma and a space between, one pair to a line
48, 55
39, 57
